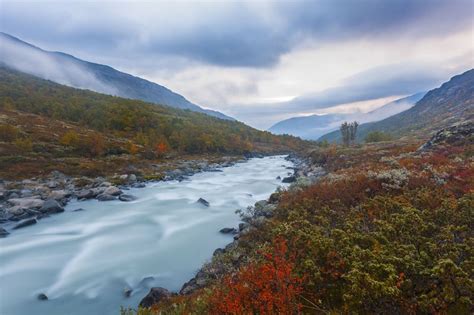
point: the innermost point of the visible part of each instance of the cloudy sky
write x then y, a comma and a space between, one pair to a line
262, 61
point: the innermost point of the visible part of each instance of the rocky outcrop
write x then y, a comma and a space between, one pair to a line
203, 202
455, 135
155, 296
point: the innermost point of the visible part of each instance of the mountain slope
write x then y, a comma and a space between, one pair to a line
312, 127
451, 103
69, 70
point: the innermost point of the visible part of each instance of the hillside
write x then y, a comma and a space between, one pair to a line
69, 70
452, 102
45, 124
314, 126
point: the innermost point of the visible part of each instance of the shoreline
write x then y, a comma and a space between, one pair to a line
25, 202
304, 173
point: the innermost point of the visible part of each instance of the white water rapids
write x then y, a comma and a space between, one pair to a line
83, 260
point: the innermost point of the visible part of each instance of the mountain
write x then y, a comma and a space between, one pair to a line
314, 126
69, 70
451, 103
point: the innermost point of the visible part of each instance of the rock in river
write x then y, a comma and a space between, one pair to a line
154, 296
51, 206
3, 232
25, 223
203, 202
42, 297
228, 230
105, 197
289, 179
125, 197
26, 202
113, 191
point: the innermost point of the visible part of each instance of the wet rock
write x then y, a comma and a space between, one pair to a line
127, 292
106, 197
25, 193
125, 197
218, 251
42, 297
289, 179
204, 202
155, 296
16, 210
26, 202
58, 194
278, 177
25, 223
228, 230
51, 206
112, 190
139, 185
243, 226
85, 194
3, 232
78, 209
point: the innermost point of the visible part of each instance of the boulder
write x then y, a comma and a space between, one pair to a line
58, 194
42, 297
51, 206
112, 190
26, 202
3, 232
16, 210
125, 197
106, 197
127, 292
24, 223
155, 296
228, 230
289, 179
85, 194
204, 202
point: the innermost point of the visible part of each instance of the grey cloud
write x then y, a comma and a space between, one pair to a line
233, 34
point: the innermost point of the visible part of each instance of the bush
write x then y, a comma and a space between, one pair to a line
377, 136
24, 144
8, 133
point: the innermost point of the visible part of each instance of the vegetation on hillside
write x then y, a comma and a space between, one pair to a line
388, 231
44, 120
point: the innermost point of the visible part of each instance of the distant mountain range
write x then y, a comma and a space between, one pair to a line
69, 70
451, 103
314, 126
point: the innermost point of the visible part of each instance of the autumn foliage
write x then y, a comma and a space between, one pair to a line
268, 287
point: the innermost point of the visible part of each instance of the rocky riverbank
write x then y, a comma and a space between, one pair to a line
24, 202
227, 259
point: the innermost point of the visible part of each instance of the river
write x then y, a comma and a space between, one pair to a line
83, 260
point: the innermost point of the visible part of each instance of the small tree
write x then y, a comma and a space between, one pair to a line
349, 132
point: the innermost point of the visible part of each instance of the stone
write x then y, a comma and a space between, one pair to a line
85, 194
51, 206
132, 178
3, 232
25, 223
125, 197
16, 210
289, 179
155, 296
204, 202
112, 190
42, 297
26, 202
58, 194
243, 226
127, 292
228, 230
105, 197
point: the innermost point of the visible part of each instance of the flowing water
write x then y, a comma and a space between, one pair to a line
83, 260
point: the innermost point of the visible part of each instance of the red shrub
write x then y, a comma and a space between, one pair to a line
266, 288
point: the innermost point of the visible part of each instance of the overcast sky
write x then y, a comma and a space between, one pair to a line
262, 61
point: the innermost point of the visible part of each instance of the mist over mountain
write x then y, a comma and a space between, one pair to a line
314, 126
451, 103
69, 70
